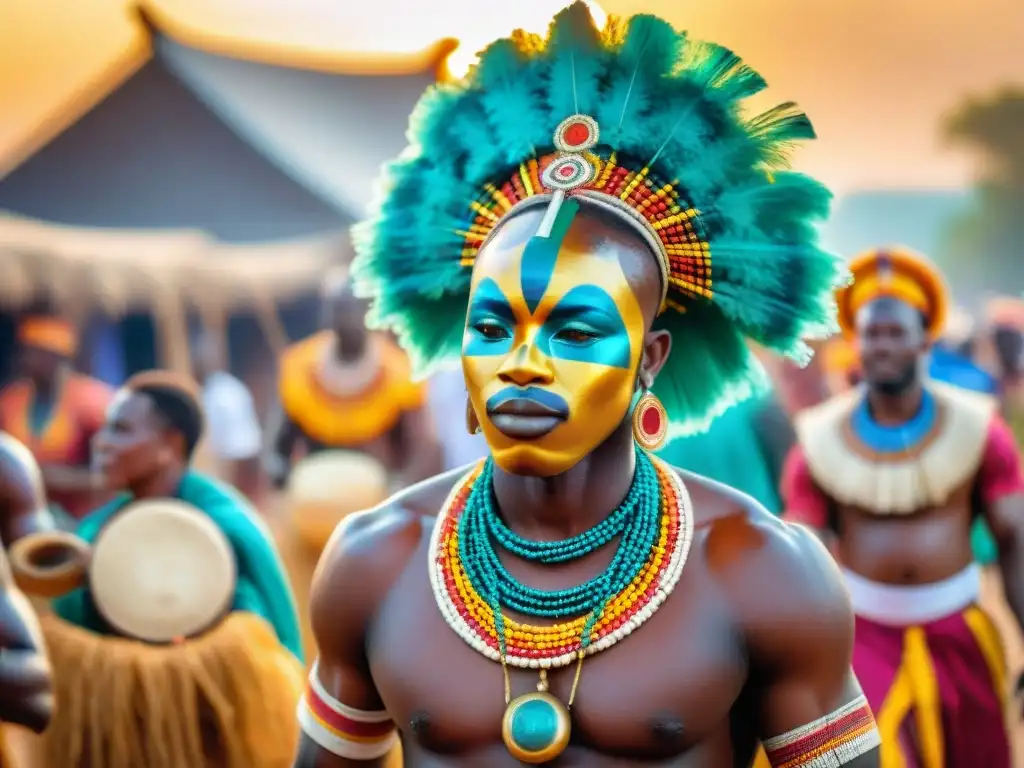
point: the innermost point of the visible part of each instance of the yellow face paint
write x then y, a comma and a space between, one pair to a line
553, 328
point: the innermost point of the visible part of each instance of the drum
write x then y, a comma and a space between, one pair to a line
161, 570
325, 487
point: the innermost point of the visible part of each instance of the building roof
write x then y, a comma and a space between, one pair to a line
117, 270
61, 57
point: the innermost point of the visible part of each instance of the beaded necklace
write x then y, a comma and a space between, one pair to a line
654, 527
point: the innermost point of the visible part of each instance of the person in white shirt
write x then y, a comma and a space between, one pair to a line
233, 429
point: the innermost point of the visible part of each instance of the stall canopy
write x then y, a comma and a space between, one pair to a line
151, 155
168, 274
123, 269
321, 91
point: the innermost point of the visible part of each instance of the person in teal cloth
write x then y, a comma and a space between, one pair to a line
145, 447
743, 448
593, 225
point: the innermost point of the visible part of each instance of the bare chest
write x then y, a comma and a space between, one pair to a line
665, 690
926, 545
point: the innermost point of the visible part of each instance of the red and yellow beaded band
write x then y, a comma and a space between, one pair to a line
344, 731
835, 739
675, 228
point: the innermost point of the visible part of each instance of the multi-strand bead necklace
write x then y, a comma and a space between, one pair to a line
654, 527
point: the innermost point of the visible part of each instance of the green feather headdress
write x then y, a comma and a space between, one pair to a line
738, 231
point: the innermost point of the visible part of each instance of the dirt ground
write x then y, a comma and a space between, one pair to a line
300, 564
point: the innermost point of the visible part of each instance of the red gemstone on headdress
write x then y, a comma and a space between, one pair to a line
650, 420
576, 134
565, 171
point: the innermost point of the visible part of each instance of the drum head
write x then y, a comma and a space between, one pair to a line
346, 480
162, 570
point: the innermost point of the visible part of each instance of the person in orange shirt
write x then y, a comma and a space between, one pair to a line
55, 412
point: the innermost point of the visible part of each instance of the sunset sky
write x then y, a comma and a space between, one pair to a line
876, 76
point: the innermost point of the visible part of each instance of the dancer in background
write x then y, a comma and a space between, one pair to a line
347, 389
55, 412
897, 472
352, 426
546, 228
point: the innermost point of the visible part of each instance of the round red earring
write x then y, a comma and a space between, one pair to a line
650, 422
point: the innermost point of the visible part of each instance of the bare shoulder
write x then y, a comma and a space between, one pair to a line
367, 553
19, 472
785, 590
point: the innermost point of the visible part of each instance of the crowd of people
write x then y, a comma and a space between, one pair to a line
638, 526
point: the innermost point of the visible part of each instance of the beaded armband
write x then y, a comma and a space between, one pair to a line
350, 733
833, 740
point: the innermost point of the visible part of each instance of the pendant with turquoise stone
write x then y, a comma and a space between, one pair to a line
536, 726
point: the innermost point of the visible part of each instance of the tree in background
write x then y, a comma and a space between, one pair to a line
984, 244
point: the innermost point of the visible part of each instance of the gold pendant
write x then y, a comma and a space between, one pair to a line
536, 726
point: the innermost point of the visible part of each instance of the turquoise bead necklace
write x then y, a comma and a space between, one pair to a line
536, 725
635, 521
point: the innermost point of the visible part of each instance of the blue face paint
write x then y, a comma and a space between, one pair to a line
587, 327
541, 255
541, 396
557, 316
491, 324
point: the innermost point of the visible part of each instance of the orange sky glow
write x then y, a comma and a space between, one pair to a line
876, 76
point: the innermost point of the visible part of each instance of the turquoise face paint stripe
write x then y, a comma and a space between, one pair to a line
489, 307
541, 254
590, 309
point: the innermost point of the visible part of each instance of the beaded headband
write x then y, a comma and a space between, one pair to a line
674, 233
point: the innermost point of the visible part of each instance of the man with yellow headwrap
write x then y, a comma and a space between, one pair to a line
897, 471
55, 412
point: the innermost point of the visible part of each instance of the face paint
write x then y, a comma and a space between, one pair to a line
553, 339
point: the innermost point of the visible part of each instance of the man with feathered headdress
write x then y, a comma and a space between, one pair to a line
896, 472
577, 207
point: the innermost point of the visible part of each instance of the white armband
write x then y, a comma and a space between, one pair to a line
354, 734
829, 742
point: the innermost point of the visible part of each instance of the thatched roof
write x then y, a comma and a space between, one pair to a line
117, 270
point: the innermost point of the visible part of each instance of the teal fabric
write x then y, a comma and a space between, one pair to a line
731, 452
985, 550
262, 588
